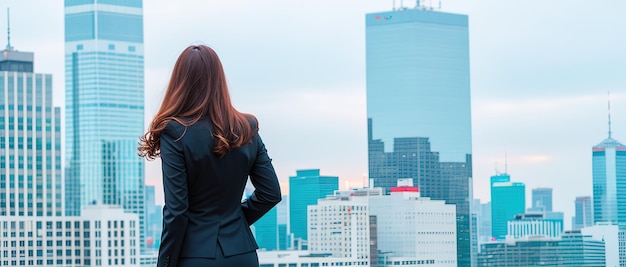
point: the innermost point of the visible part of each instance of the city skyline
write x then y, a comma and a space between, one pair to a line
516, 105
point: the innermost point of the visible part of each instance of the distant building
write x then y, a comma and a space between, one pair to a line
507, 200
484, 224
154, 221
573, 250
305, 189
266, 230
532, 225
304, 259
583, 213
542, 199
101, 236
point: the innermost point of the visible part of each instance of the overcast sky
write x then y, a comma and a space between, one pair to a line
540, 73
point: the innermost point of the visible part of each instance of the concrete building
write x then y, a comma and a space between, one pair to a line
101, 236
610, 235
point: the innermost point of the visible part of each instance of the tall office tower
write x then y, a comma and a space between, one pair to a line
583, 213
266, 230
507, 200
418, 107
609, 174
305, 189
104, 94
542, 199
30, 140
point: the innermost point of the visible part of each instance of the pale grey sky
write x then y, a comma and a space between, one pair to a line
540, 72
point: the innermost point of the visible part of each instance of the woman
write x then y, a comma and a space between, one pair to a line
208, 150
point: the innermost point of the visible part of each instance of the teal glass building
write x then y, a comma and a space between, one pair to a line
266, 230
507, 200
418, 107
30, 140
305, 189
104, 79
609, 182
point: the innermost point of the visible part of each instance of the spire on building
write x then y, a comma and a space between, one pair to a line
9, 47
609, 101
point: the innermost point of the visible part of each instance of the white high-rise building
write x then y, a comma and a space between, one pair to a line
405, 228
101, 236
609, 234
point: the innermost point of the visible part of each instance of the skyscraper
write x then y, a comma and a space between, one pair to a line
507, 200
418, 107
30, 140
104, 80
305, 189
542, 199
583, 213
609, 176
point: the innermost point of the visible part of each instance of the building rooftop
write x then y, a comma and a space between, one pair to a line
609, 143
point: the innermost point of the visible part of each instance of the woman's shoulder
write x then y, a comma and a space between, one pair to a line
254, 122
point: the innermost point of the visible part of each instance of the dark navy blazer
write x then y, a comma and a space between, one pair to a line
203, 193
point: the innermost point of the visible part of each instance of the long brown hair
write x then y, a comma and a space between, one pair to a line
196, 89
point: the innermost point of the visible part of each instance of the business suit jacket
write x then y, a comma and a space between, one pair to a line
203, 193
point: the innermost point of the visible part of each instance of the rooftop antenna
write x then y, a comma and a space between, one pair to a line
439, 5
609, 101
8, 31
496, 168
505, 161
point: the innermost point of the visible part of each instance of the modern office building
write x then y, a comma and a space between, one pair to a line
305, 189
609, 192
101, 236
266, 230
104, 94
507, 200
542, 199
583, 213
579, 250
418, 107
30, 140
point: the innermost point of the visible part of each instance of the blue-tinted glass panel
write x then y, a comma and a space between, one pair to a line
120, 27
77, 2
79, 26
128, 3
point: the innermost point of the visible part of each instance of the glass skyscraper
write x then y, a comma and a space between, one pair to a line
507, 200
266, 230
305, 189
418, 107
104, 78
609, 182
30, 140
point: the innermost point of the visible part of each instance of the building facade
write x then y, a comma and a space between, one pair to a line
101, 236
418, 107
305, 189
573, 250
30, 140
583, 213
104, 78
507, 200
610, 235
524, 226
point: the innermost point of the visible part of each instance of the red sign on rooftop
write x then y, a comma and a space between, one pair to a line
405, 189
